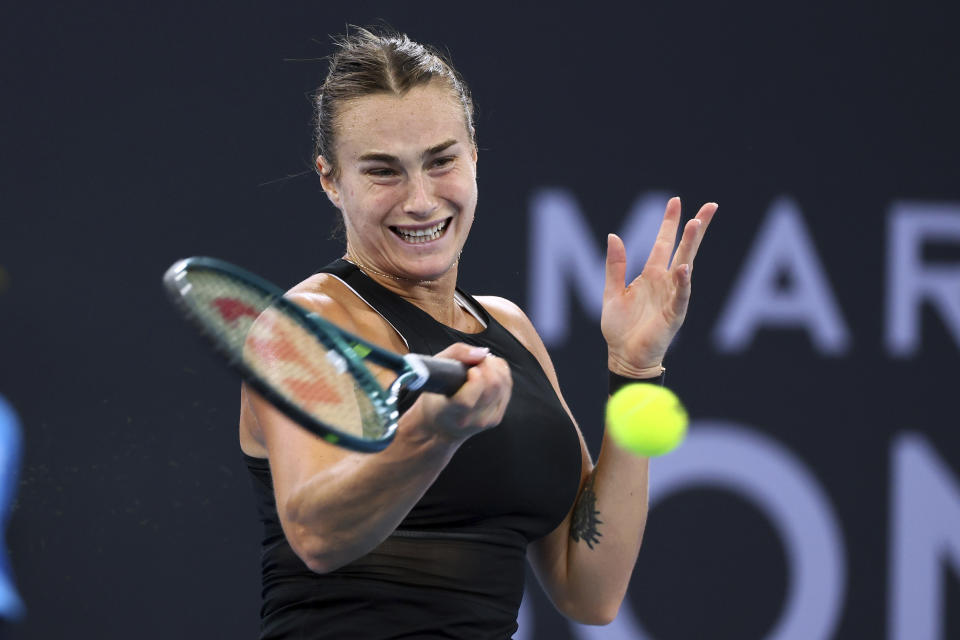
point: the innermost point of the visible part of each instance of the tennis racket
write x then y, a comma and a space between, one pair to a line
311, 370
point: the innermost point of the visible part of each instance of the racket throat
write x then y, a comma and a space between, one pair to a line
417, 376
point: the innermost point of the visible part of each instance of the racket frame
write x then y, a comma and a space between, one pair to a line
412, 372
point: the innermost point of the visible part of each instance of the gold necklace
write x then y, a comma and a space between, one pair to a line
349, 258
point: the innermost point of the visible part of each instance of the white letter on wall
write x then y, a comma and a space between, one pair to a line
910, 224
743, 461
783, 247
925, 534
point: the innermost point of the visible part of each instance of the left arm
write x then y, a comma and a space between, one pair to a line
586, 563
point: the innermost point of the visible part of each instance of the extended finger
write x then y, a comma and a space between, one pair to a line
693, 233
666, 236
616, 269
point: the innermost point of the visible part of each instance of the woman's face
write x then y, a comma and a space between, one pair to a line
407, 185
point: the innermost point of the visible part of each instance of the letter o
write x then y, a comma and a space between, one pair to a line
724, 455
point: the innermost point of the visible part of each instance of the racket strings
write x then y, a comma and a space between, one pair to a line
273, 344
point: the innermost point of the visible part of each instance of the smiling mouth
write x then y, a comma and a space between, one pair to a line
426, 234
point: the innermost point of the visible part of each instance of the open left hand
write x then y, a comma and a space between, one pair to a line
639, 320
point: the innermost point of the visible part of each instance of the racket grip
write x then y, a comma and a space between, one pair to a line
442, 374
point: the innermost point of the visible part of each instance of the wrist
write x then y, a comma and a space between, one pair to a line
618, 381
627, 370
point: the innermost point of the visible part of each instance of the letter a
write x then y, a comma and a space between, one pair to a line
783, 247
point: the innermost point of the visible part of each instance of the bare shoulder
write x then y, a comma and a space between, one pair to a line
331, 298
328, 297
507, 312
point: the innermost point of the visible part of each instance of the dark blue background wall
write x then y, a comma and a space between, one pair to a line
137, 133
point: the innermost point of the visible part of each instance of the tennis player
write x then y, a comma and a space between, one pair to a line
429, 538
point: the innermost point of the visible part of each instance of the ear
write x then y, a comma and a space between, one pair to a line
327, 181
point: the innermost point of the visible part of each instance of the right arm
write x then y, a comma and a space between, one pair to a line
336, 505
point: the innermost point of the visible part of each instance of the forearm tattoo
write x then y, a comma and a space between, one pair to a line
584, 523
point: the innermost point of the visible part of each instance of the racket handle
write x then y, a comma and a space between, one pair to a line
442, 374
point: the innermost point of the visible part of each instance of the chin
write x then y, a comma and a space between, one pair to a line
432, 268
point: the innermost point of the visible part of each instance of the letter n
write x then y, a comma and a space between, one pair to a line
925, 536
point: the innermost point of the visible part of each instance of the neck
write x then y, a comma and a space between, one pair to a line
436, 297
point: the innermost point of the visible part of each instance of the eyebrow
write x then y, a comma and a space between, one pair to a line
386, 157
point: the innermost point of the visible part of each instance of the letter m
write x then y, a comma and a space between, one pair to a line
565, 256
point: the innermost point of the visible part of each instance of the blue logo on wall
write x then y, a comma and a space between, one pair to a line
11, 607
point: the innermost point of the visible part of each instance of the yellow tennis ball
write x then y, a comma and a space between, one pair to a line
646, 419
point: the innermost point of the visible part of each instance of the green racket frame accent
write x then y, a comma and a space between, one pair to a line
353, 349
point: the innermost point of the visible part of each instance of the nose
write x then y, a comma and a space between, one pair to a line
420, 202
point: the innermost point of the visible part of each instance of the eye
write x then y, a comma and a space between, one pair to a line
442, 162
381, 172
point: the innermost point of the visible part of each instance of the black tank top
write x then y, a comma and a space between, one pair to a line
455, 566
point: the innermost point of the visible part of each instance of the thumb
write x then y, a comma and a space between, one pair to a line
465, 353
616, 266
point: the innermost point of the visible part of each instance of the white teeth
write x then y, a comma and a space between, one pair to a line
422, 235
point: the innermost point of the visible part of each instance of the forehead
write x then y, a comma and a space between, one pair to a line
419, 119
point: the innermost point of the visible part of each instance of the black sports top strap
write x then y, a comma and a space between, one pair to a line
418, 329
